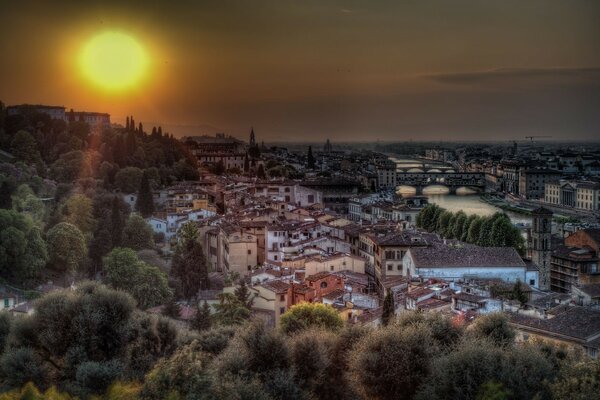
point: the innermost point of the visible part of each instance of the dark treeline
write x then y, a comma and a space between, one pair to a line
94, 342
493, 231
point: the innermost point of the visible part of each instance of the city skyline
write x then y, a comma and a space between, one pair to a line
350, 71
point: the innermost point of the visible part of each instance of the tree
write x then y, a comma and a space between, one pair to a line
392, 362
457, 229
485, 232
26, 202
494, 327
66, 247
5, 195
229, 310
202, 320
388, 308
24, 148
219, 168
145, 202
260, 172
23, 252
518, 293
171, 309
129, 179
443, 225
137, 233
475, 230
116, 225
246, 163
578, 381
146, 283
243, 294
189, 266
310, 315
100, 244
79, 212
310, 159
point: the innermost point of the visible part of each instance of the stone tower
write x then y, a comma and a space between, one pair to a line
252, 138
540, 248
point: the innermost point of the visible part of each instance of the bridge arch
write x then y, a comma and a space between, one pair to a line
415, 170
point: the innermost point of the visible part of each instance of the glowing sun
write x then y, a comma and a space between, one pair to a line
113, 60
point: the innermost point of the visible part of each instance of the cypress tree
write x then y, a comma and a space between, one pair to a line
260, 173
310, 158
5, 195
246, 163
172, 309
116, 220
127, 123
141, 129
145, 203
388, 308
202, 320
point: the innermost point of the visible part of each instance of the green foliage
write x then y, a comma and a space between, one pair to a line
494, 327
79, 212
389, 310
128, 179
66, 247
230, 311
146, 283
202, 319
137, 233
391, 362
24, 148
94, 377
310, 159
145, 202
494, 231
22, 250
310, 315
578, 381
26, 202
190, 267
171, 309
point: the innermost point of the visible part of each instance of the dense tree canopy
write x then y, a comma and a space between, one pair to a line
23, 252
66, 247
146, 283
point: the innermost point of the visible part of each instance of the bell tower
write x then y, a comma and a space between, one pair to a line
540, 239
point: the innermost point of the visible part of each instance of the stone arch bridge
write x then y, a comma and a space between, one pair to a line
452, 180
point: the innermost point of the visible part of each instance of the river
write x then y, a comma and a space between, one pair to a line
465, 199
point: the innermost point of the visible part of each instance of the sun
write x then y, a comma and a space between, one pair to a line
113, 61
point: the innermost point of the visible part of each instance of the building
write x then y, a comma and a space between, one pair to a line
579, 195
532, 182
575, 328
576, 262
464, 262
96, 120
220, 148
540, 238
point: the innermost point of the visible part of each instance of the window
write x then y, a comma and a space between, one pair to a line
323, 285
249, 251
390, 266
282, 297
6, 303
281, 310
532, 282
331, 267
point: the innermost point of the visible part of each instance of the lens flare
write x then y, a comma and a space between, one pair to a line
113, 61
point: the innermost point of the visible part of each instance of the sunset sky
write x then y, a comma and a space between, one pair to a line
307, 70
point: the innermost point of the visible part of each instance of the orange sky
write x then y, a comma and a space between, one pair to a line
348, 70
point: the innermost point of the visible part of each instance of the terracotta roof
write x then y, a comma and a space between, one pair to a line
276, 286
317, 276
592, 290
577, 322
467, 256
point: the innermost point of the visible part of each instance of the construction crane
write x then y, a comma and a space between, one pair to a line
536, 137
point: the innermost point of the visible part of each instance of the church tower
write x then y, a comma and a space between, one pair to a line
540, 239
252, 138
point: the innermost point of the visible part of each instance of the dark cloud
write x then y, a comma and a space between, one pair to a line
503, 75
